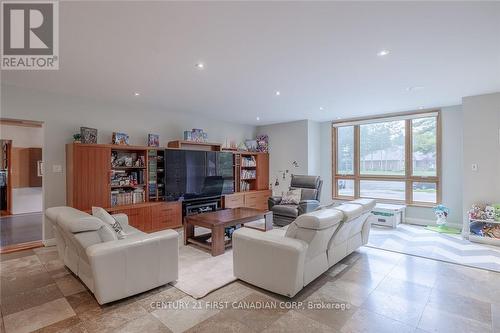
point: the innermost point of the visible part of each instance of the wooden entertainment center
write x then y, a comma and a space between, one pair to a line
90, 175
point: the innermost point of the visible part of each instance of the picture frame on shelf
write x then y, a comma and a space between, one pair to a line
120, 139
153, 140
88, 135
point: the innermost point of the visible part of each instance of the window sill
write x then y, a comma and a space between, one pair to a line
395, 202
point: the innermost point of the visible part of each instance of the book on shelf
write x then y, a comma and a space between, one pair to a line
248, 161
248, 174
244, 186
122, 197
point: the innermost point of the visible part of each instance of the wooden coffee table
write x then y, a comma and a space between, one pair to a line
217, 222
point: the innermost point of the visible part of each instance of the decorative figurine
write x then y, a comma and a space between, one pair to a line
441, 212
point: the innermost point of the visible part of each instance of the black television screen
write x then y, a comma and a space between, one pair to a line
197, 174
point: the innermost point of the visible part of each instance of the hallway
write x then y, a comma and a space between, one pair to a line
23, 228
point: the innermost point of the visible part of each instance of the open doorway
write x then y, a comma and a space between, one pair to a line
21, 172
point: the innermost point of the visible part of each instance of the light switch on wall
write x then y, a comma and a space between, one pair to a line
56, 168
474, 166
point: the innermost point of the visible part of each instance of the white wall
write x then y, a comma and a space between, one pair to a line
313, 148
299, 141
288, 142
22, 137
63, 115
481, 146
326, 161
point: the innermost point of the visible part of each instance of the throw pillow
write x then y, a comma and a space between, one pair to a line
104, 216
291, 197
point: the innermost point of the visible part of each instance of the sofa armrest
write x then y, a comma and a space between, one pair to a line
269, 261
132, 265
121, 218
273, 201
306, 206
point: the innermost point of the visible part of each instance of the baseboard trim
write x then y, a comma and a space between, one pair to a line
21, 247
50, 242
425, 222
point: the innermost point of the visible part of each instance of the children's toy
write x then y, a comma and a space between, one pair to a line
497, 212
441, 212
477, 212
489, 213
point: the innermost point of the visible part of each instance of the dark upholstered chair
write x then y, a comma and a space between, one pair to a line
309, 201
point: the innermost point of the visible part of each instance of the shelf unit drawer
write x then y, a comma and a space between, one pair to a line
234, 201
253, 199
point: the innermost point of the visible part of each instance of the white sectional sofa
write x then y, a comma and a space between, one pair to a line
285, 260
113, 268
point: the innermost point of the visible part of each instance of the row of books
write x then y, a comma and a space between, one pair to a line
122, 197
248, 161
244, 186
248, 174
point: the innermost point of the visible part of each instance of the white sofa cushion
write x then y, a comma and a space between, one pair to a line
115, 225
367, 204
86, 223
102, 214
320, 219
350, 211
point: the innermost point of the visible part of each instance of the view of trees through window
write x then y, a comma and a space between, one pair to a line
382, 159
382, 148
424, 146
345, 150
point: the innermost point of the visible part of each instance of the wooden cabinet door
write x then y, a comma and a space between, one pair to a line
262, 172
91, 167
257, 199
167, 215
170, 215
234, 200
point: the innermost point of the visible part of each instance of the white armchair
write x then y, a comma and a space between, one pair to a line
113, 268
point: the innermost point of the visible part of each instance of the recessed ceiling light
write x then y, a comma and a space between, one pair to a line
258, 118
383, 53
137, 94
200, 65
321, 108
420, 107
278, 93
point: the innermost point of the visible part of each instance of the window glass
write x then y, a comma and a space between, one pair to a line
424, 146
345, 150
382, 148
424, 192
381, 189
345, 187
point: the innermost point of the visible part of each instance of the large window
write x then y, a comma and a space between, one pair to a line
392, 158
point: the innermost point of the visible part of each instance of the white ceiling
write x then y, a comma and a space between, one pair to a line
321, 54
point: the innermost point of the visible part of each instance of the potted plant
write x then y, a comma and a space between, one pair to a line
77, 138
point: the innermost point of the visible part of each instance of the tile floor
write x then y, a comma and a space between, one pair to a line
371, 290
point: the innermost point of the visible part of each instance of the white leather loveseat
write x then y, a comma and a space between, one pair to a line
286, 260
113, 268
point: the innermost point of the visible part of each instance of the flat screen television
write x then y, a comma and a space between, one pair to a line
194, 174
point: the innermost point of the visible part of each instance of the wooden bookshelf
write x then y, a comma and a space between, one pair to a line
193, 145
89, 171
88, 184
